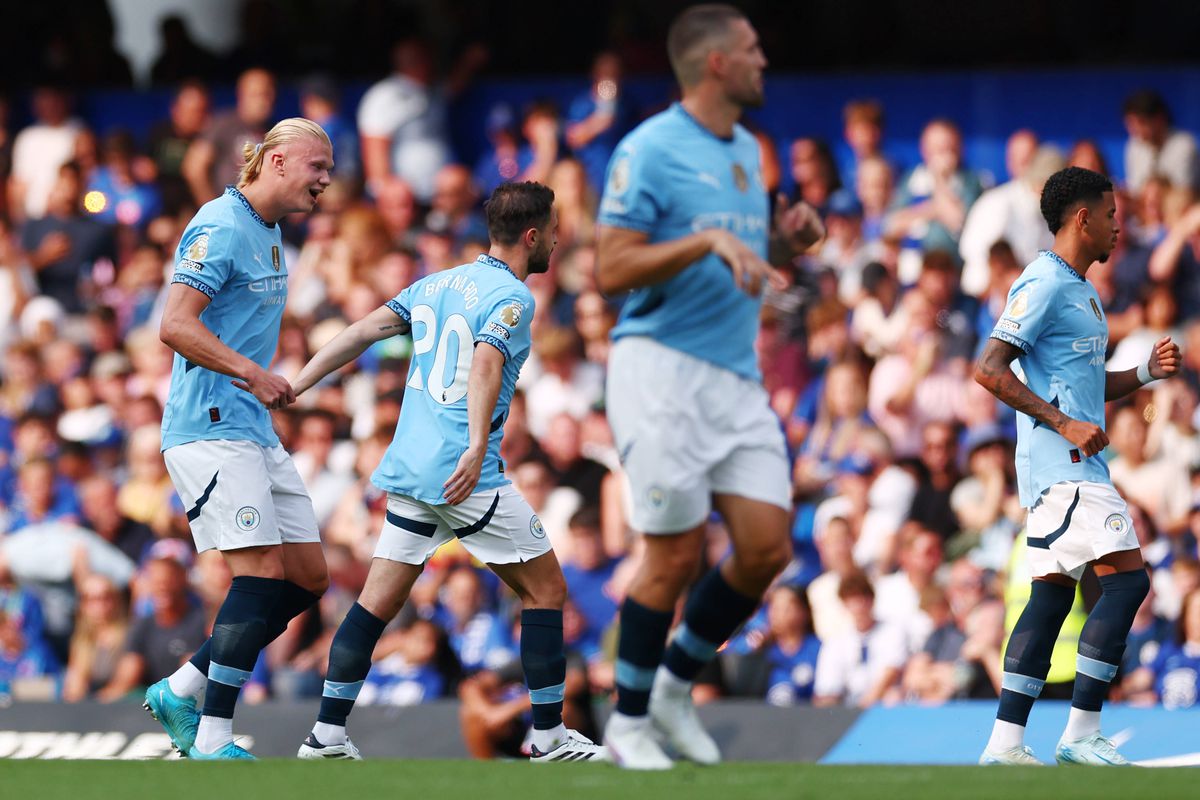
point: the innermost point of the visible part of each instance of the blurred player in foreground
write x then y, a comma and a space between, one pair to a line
685, 222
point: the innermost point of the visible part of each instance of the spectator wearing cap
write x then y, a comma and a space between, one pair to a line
158, 642
321, 102
1011, 211
1155, 147
845, 250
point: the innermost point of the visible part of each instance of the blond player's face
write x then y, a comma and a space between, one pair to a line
307, 167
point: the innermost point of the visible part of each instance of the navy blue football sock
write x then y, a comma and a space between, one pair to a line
239, 633
1027, 657
349, 663
294, 600
643, 636
545, 664
714, 611
1102, 640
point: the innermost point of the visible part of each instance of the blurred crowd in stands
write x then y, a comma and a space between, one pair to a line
908, 536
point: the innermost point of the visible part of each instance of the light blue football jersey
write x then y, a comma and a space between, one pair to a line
232, 255
672, 177
450, 312
1054, 315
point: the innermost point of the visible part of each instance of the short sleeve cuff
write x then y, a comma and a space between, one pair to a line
400, 310
494, 342
198, 285
1015, 341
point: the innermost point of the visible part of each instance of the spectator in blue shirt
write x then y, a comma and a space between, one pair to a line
478, 637
598, 118
792, 647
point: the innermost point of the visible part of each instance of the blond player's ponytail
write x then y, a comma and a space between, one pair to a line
286, 130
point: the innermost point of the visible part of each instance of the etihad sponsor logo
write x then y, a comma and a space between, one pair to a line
732, 221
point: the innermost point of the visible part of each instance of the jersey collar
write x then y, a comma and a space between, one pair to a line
678, 106
233, 192
492, 261
1057, 259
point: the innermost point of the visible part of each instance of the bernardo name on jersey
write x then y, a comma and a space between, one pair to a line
450, 313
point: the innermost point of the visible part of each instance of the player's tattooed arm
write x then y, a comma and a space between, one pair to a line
382, 323
994, 373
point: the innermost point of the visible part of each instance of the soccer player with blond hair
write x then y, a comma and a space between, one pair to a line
242, 492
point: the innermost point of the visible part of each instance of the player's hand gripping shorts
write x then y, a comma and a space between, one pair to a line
687, 429
241, 494
1074, 523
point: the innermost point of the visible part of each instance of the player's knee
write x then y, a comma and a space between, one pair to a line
760, 565
548, 593
678, 564
1130, 588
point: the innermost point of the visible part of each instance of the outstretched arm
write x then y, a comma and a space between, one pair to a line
382, 323
1163, 363
994, 373
483, 390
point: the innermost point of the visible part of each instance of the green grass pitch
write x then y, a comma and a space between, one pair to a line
442, 780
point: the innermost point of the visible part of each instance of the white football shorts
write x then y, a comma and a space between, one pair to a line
687, 429
496, 526
241, 494
1074, 523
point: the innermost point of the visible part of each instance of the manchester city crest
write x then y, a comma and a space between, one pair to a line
248, 518
740, 180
